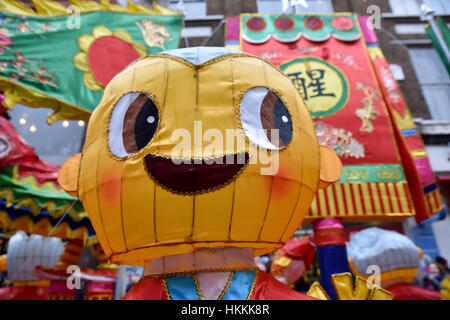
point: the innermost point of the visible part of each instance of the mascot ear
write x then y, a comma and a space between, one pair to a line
68, 174
330, 167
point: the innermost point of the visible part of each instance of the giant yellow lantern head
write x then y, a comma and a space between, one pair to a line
195, 148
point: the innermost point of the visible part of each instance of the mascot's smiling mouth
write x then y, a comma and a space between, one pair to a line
196, 176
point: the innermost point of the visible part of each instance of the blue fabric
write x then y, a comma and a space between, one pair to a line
441, 215
430, 188
182, 288
14, 212
409, 132
332, 259
240, 286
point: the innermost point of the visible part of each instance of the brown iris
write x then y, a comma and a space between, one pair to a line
140, 124
275, 116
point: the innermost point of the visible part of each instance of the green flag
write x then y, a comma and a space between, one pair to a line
445, 32
64, 62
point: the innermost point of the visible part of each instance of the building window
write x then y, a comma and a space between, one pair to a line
412, 7
193, 8
434, 80
276, 6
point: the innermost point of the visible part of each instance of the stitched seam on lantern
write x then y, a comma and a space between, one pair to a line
99, 208
253, 285
195, 192
197, 287
166, 289
121, 214
215, 60
293, 212
238, 113
227, 286
110, 112
199, 242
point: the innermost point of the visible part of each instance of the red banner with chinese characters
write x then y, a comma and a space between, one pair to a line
326, 58
422, 182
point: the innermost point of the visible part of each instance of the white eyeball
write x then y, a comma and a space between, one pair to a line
134, 121
265, 118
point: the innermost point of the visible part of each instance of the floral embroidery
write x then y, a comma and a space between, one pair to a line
301, 51
5, 40
340, 140
31, 69
391, 85
346, 59
368, 111
154, 34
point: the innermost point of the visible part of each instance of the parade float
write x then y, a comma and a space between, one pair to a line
359, 112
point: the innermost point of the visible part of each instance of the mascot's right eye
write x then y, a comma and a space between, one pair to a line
133, 124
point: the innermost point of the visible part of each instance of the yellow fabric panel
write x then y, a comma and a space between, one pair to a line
212, 215
86, 5
384, 196
87, 191
348, 198
138, 8
113, 7
173, 216
178, 91
249, 211
242, 79
331, 202
47, 7
283, 199
138, 220
109, 191
366, 198
339, 199
322, 203
391, 190
310, 161
306, 197
318, 292
402, 196
16, 7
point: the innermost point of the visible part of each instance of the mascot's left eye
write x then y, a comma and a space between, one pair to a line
133, 124
265, 118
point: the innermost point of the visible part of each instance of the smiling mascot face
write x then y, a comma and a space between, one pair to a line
144, 204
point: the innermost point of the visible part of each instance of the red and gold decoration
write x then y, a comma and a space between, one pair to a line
422, 182
357, 109
347, 290
30, 196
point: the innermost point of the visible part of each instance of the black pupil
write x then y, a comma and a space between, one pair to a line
146, 124
282, 121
